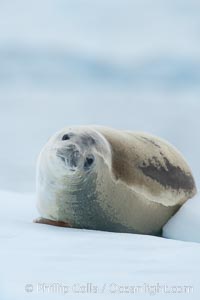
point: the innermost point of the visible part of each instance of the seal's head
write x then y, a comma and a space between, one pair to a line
75, 151
70, 169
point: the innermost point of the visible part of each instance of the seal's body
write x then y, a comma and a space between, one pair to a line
100, 178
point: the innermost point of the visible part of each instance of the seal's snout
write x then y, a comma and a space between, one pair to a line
70, 155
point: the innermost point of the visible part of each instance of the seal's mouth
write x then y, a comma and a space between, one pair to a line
73, 159
70, 155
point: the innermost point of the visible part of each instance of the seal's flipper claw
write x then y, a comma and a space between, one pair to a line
51, 222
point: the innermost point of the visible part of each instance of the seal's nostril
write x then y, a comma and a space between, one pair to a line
89, 161
62, 158
70, 148
65, 137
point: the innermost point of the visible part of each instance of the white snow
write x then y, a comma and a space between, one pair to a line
110, 265
185, 225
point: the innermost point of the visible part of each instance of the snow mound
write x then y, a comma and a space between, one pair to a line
185, 224
46, 262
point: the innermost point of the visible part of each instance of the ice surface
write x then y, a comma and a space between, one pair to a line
33, 255
185, 225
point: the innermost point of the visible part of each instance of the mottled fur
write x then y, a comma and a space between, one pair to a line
150, 165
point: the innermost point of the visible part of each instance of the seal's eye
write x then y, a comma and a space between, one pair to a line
89, 161
65, 137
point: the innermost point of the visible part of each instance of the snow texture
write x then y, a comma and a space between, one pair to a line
46, 262
185, 225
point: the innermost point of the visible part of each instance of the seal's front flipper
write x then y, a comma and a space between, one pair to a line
51, 222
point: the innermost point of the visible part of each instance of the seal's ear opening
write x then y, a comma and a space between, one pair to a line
89, 161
